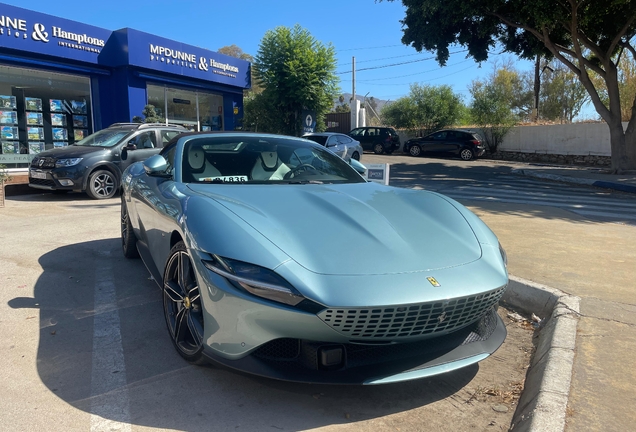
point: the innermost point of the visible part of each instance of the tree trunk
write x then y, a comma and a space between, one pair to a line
630, 147
618, 145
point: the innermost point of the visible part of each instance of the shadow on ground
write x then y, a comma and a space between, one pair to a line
164, 391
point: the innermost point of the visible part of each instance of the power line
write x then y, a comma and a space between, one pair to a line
413, 74
395, 64
383, 58
432, 79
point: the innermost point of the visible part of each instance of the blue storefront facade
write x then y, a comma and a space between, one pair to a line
61, 80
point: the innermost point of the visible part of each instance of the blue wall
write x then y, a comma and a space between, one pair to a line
119, 63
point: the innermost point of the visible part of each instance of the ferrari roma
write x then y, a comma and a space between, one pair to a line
277, 258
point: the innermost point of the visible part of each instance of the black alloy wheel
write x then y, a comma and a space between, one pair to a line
378, 148
102, 184
128, 239
415, 150
466, 154
182, 305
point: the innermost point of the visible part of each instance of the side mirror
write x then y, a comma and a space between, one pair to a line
131, 146
156, 166
357, 166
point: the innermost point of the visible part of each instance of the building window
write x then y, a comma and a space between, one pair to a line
40, 111
195, 110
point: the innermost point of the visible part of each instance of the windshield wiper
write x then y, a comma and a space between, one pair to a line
305, 182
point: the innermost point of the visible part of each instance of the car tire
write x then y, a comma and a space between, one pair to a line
102, 184
415, 150
355, 156
466, 154
128, 238
378, 148
182, 305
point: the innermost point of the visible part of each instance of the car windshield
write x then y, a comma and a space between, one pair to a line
104, 138
320, 139
254, 159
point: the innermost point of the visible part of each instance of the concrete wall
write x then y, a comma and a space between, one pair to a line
566, 139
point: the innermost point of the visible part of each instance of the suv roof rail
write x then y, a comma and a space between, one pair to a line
147, 125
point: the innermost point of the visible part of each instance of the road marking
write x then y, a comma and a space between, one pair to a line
110, 405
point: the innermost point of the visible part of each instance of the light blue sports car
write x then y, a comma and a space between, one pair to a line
277, 258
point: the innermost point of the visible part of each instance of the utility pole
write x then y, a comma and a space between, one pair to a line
353, 78
537, 87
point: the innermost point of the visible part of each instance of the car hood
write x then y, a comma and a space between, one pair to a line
70, 152
353, 229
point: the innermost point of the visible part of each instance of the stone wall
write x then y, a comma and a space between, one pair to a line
583, 160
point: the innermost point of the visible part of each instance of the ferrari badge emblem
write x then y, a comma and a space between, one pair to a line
433, 281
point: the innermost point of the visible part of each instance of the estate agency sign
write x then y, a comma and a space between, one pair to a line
154, 52
25, 30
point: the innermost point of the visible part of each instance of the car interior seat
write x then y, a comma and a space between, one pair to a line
200, 168
268, 166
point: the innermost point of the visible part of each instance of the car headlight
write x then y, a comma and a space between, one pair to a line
504, 255
61, 163
254, 279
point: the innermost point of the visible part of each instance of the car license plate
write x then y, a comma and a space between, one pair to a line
38, 175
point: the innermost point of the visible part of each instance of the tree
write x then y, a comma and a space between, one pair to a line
297, 72
236, 52
626, 84
588, 36
342, 106
562, 95
150, 116
427, 108
492, 108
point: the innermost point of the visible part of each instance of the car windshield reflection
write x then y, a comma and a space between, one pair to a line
258, 160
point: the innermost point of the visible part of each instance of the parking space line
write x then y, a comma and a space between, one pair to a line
110, 405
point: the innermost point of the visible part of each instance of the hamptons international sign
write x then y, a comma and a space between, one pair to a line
26, 30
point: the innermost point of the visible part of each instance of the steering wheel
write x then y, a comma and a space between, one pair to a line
302, 167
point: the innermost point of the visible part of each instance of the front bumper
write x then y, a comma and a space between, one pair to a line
69, 178
303, 361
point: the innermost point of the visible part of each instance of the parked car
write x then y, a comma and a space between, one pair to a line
341, 144
94, 164
467, 145
275, 257
377, 139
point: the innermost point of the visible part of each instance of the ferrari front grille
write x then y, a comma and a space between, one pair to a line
409, 320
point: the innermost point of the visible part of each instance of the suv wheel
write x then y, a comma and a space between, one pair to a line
415, 150
102, 184
466, 154
378, 148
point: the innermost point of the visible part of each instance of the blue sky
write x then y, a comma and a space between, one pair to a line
365, 29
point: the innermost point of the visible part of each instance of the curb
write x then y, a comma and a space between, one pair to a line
584, 181
543, 403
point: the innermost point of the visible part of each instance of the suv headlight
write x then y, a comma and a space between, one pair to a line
61, 163
254, 279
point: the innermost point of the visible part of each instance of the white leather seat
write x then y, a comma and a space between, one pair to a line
200, 168
269, 167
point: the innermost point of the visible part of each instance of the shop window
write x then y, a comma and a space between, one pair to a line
194, 110
40, 111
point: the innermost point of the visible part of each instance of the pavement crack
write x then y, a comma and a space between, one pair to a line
608, 320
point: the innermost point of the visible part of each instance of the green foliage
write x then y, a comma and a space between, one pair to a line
562, 95
492, 108
4, 177
344, 108
296, 72
150, 116
427, 108
586, 35
236, 52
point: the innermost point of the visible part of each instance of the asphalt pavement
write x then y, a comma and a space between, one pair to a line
592, 259
579, 254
